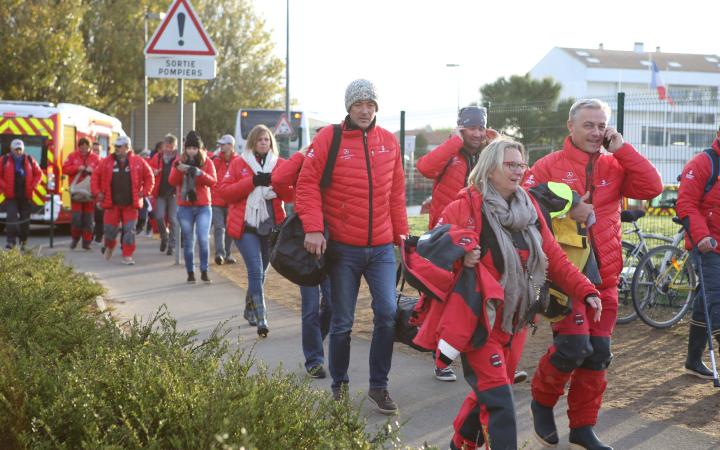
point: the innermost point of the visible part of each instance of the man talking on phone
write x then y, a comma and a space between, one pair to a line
580, 353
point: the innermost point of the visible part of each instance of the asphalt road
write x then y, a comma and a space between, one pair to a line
427, 406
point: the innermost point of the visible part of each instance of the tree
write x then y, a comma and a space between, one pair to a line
528, 110
42, 51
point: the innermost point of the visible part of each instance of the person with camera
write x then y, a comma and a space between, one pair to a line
255, 208
119, 183
364, 209
192, 175
20, 174
581, 352
698, 198
80, 165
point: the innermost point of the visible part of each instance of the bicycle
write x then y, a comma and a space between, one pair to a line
663, 284
632, 254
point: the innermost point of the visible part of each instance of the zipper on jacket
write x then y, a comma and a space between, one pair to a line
370, 187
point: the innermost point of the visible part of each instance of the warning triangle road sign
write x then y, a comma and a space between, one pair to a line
181, 33
283, 127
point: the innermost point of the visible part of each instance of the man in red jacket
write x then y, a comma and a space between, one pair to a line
164, 195
580, 353
698, 198
120, 183
450, 163
80, 165
223, 241
19, 176
364, 210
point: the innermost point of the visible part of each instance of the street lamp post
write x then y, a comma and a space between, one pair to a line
147, 16
457, 66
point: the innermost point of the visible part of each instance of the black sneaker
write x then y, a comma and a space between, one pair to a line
520, 376
340, 393
74, 243
230, 260
163, 245
446, 374
381, 398
219, 260
86, 245
317, 372
191, 278
169, 251
544, 424
204, 277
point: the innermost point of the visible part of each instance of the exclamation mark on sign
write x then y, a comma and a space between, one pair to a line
181, 27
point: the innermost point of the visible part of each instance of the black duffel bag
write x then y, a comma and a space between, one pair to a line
289, 257
405, 328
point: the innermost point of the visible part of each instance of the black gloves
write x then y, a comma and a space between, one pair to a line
261, 179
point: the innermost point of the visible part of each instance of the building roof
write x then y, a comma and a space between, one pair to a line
619, 59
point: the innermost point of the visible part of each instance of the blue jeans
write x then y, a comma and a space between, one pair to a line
347, 264
223, 241
195, 221
711, 277
255, 251
316, 314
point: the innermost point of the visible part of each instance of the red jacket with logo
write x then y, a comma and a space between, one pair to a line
449, 167
33, 176
285, 177
703, 209
141, 178
203, 183
221, 168
236, 186
364, 205
454, 321
72, 164
608, 177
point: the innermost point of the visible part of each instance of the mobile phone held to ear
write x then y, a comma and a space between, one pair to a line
606, 142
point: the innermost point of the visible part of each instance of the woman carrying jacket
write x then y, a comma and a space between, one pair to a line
255, 208
497, 291
193, 174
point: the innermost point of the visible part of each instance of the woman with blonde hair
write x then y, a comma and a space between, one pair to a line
193, 174
255, 208
511, 253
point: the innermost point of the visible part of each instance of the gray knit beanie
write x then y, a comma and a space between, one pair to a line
358, 91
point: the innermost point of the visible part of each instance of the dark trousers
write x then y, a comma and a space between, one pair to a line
18, 219
99, 223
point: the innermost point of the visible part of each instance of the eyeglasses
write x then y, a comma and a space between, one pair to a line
515, 166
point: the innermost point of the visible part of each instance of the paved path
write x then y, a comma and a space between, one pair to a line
427, 406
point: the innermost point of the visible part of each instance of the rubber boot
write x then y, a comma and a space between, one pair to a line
694, 364
544, 424
260, 314
249, 313
584, 438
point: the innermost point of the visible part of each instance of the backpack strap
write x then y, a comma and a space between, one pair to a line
715, 172
332, 156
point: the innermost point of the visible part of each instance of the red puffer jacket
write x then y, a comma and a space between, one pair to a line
365, 202
702, 209
141, 177
221, 168
453, 321
609, 178
33, 175
285, 177
202, 184
72, 164
156, 164
236, 186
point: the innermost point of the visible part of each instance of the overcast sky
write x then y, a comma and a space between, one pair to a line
404, 46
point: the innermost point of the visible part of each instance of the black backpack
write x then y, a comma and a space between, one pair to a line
288, 255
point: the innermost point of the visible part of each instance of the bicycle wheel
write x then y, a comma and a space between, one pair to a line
631, 258
663, 285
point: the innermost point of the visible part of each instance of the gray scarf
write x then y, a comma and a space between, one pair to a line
521, 284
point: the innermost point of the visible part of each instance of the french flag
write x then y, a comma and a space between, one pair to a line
658, 83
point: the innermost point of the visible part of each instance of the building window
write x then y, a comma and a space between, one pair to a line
701, 138
652, 136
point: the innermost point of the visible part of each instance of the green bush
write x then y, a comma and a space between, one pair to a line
69, 378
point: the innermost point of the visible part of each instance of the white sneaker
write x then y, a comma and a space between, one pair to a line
520, 376
128, 261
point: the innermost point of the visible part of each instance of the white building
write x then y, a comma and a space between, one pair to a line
668, 133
